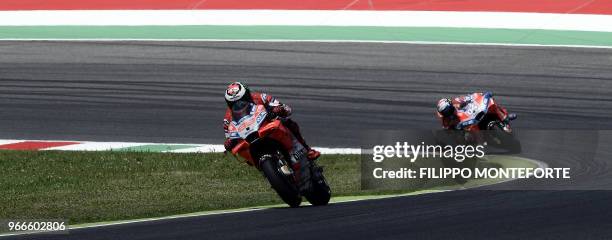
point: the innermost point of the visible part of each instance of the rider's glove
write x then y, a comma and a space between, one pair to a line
229, 144
280, 111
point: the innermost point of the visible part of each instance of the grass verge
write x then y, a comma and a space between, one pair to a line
85, 187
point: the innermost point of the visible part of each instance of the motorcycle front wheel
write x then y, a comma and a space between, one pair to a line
286, 190
504, 140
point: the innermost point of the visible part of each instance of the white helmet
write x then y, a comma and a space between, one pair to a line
235, 91
445, 107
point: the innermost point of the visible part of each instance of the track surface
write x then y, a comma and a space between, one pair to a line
171, 92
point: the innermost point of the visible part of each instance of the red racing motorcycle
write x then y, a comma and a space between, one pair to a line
264, 142
481, 123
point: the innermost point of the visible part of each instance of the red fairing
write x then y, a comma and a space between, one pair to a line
537, 6
460, 102
277, 131
242, 149
270, 129
492, 106
501, 112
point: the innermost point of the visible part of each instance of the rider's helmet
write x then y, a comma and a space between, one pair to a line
236, 92
445, 107
238, 99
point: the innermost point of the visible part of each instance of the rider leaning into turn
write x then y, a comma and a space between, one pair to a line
238, 93
447, 111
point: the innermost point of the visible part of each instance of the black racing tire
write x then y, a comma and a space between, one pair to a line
285, 189
321, 192
509, 142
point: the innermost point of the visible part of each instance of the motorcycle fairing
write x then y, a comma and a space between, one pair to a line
475, 111
256, 122
248, 124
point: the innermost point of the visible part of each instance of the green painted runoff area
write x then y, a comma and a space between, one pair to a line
427, 34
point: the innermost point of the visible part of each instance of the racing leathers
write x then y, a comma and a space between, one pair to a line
277, 109
461, 102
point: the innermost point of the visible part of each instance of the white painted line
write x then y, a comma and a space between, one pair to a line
4, 142
203, 148
170, 217
325, 150
507, 20
292, 40
200, 148
96, 146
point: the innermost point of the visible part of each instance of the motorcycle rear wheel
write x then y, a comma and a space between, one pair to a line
321, 192
285, 189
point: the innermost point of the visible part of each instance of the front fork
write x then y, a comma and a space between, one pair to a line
501, 114
290, 170
317, 173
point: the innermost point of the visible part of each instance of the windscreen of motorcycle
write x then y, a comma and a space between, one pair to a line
241, 109
467, 115
247, 120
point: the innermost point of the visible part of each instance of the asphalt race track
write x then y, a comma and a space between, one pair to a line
172, 92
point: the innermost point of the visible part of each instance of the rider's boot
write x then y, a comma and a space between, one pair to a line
506, 122
506, 127
313, 154
512, 116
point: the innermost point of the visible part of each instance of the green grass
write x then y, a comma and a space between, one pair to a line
85, 187
100, 186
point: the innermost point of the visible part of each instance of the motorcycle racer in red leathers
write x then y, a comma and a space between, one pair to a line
237, 94
447, 111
